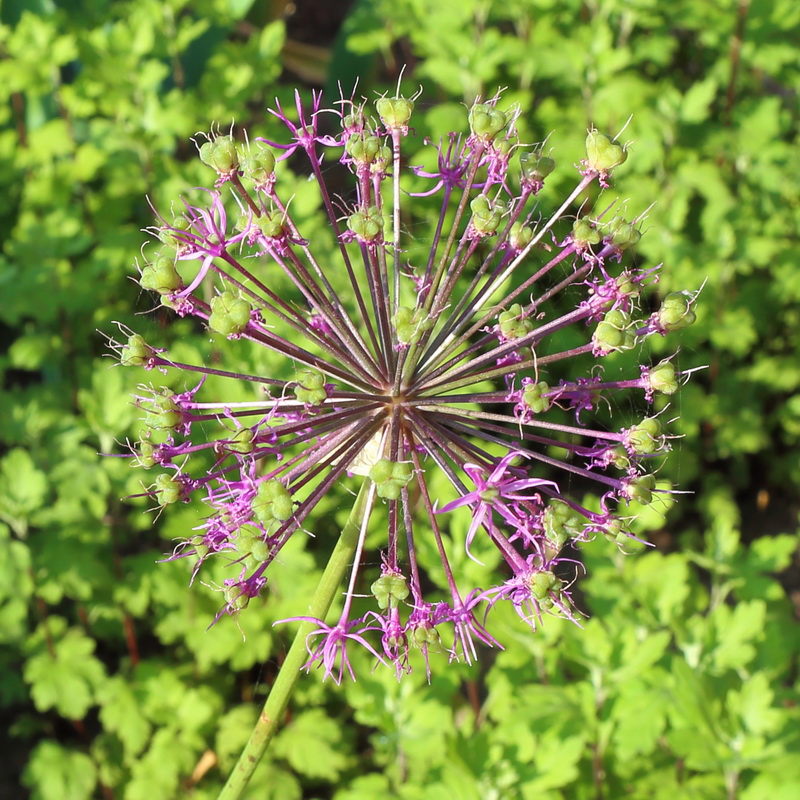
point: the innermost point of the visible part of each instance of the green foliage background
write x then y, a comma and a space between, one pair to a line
684, 682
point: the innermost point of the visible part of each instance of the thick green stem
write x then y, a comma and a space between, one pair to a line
281, 692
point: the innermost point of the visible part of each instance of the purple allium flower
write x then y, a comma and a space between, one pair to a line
478, 355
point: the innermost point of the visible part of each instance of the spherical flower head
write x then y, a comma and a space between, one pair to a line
403, 355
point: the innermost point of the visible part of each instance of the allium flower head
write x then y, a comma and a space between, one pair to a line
479, 358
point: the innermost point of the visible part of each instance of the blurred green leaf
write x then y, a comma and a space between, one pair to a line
65, 675
23, 489
738, 631
55, 773
696, 101
640, 713
311, 744
121, 713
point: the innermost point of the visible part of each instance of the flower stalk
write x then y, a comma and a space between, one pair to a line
281, 691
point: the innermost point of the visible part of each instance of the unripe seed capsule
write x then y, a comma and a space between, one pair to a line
603, 153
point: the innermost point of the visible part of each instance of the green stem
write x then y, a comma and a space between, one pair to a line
281, 692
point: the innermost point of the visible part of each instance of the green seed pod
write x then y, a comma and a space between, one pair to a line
236, 598
619, 534
363, 148
260, 550
245, 537
614, 333
410, 324
259, 167
403, 324
380, 593
282, 505
367, 225
240, 442
603, 153
661, 378
160, 276
390, 590
676, 312
584, 233
272, 225
207, 153
144, 454
396, 640
486, 122
614, 531
168, 489
489, 494
423, 637
520, 236
646, 437
381, 471
220, 154
620, 233
543, 583
533, 397
240, 602
276, 500
200, 547
619, 457
390, 477
402, 471
310, 389
311, 379
506, 144
561, 523
390, 491
171, 235
626, 285
512, 324
641, 489
272, 503
536, 167
398, 587
382, 161
162, 413
353, 121
136, 353
230, 314
486, 215
395, 112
